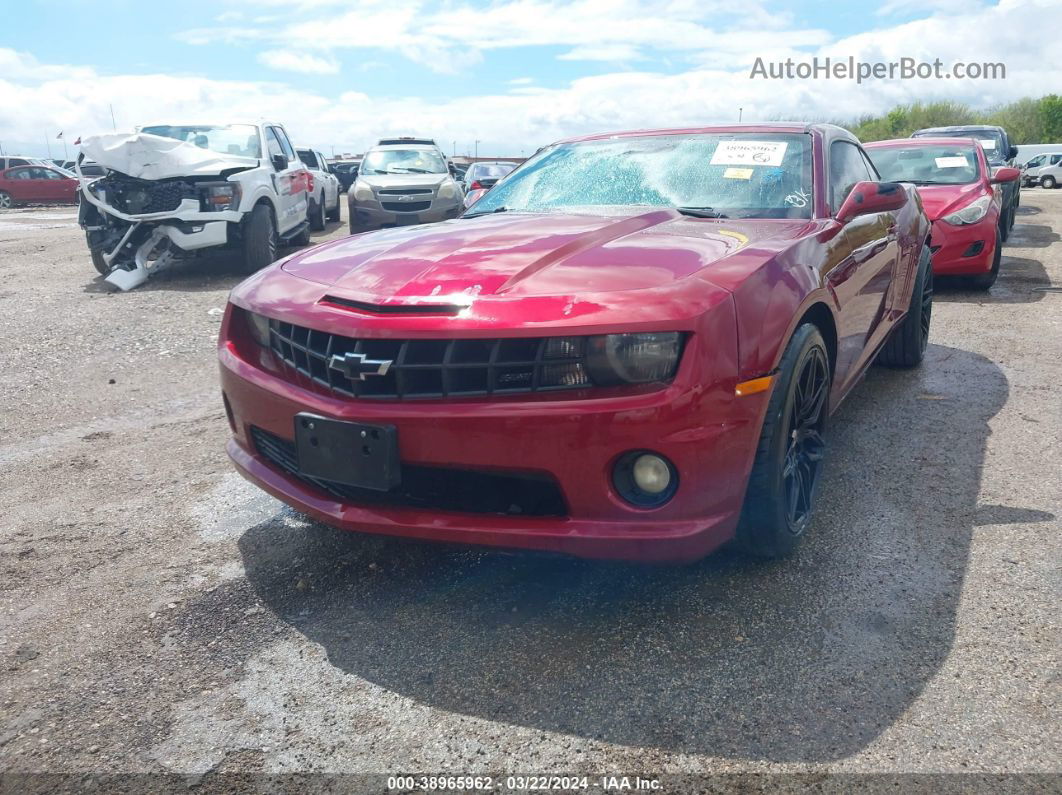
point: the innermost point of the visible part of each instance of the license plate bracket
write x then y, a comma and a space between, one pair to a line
352, 453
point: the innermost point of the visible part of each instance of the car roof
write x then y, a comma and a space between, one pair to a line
925, 131
923, 141
392, 147
828, 130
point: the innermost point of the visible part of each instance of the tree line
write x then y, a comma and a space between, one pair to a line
1027, 121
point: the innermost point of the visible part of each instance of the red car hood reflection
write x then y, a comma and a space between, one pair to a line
940, 200
516, 255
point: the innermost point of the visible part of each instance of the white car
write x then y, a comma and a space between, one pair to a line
1039, 166
324, 189
171, 190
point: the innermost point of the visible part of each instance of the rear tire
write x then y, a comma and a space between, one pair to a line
906, 346
1005, 223
784, 480
986, 280
259, 240
6, 201
1048, 182
317, 214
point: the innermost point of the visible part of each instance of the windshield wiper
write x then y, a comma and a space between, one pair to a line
502, 209
700, 212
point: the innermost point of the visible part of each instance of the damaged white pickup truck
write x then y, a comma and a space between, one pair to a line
173, 190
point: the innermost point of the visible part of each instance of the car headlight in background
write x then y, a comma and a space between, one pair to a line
448, 190
362, 192
259, 328
970, 214
221, 197
637, 358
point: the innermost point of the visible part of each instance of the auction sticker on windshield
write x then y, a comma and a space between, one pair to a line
952, 162
749, 153
987, 143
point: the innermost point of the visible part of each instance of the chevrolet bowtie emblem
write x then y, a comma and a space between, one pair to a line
356, 366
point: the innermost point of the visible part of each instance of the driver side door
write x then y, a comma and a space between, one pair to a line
291, 181
861, 279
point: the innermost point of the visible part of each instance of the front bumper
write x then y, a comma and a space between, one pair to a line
369, 214
707, 433
964, 250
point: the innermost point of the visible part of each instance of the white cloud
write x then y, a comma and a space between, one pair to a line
36, 97
603, 52
298, 62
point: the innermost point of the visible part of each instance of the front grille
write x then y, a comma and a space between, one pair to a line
433, 368
405, 207
404, 191
137, 196
436, 488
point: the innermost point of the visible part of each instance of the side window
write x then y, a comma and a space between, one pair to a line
285, 144
19, 173
1036, 161
1055, 159
846, 169
871, 169
273, 143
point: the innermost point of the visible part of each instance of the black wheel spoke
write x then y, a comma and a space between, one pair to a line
800, 468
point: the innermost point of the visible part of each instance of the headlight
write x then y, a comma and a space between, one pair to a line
259, 328
221, 197
448, 190
971, 213
633, 358
362, 192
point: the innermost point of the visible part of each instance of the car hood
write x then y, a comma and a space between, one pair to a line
516, 254
403, 180
940, 200
153, 157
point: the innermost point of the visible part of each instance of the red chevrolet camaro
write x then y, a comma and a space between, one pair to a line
627, 349
960, 196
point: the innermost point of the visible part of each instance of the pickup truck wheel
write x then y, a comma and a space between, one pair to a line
784, 480
98, 262
317, 214
333, 214
906, 345
6, 202
259, 240
986, 280
1048, 182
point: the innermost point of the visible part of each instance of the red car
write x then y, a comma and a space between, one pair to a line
36, 185
960, 197
627, 349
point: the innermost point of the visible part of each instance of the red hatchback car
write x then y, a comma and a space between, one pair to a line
627, 349
960, 196
36, 185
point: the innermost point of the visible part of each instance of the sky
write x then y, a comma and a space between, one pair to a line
512, 75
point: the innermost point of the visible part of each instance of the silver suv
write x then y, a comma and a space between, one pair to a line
400, 184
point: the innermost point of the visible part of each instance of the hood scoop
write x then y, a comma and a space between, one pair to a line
392, 309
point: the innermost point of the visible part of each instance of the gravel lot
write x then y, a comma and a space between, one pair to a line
157, 613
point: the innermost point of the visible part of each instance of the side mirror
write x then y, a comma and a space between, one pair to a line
1005, 174
1012, 153
280, 162
872, 197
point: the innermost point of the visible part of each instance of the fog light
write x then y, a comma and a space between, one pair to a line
645, 479
651, 473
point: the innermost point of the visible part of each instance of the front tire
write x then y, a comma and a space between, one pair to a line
784, 480
986, 280
98, 262
259, 240
6, 201
333, 214
906, 346
1048, 182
